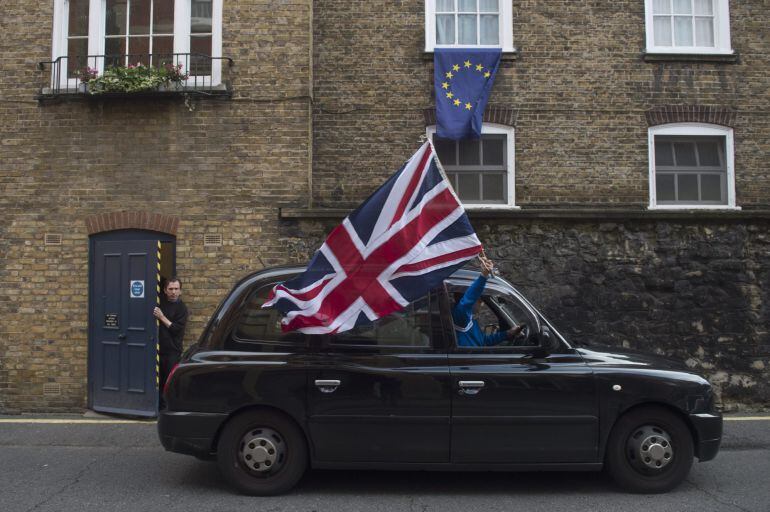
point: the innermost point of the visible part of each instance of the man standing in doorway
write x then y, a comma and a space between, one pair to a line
172, 316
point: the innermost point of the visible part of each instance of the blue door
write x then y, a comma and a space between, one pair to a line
122, 330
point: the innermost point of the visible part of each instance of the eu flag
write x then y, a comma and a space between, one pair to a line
463, 78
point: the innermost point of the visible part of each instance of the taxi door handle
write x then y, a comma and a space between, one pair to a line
327, 385
470, 387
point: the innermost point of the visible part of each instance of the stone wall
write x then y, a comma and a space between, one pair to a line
697, 291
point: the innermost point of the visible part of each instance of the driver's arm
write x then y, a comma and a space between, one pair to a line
495, 338
498, 337
463, 310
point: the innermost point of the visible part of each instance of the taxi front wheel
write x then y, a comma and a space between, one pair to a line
262, 453
650, 450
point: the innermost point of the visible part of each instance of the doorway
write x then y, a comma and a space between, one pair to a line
125, 268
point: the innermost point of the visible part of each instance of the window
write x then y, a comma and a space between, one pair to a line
410, 327
498, 310
691, 166
103, 33
468, 23
480, 171
688, 26
257, 324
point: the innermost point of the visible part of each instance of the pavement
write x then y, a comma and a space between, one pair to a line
101, 463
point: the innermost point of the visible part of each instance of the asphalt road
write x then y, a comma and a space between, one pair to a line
109, 467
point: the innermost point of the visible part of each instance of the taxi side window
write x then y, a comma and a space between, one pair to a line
497, 311
256, 324
410, 327
512, 308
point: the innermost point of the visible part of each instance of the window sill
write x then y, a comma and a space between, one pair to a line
492, 207
508, 55
729, 58
680, 207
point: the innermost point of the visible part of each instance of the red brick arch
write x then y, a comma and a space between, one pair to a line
113, 221
492, 114
667, 114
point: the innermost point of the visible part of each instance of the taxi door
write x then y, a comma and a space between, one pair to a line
381, 393
513, 404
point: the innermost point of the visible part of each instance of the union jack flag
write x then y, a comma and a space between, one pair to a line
403, 241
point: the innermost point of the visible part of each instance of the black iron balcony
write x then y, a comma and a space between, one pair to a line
132, 75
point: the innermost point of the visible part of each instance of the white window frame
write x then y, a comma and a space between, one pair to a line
499, 129
96, 20
506, 29
694, 130
721, 46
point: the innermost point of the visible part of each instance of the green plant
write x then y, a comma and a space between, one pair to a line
134, 78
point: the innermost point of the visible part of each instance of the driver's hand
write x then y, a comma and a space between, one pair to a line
487, 266
512, 333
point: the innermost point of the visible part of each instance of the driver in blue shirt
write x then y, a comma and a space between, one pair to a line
467, 329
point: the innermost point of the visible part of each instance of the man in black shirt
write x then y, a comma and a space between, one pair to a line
172, 317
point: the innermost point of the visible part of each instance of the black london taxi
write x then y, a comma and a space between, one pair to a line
400, 394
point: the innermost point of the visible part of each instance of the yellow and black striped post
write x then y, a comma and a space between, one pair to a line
157, 322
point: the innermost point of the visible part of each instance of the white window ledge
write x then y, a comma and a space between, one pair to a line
679, 56
507, 55
693, 207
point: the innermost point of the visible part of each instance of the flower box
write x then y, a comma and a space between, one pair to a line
134, 78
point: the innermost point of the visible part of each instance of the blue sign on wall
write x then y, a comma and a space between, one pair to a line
137, 289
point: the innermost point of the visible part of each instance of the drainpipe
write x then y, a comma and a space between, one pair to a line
310, 108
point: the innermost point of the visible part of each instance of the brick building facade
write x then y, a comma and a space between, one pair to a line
325, 99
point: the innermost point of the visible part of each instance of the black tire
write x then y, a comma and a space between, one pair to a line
649, 451
274, 446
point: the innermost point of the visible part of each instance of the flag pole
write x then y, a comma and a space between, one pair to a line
495, 272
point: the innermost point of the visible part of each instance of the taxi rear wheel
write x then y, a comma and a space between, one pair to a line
650, 450
262, 453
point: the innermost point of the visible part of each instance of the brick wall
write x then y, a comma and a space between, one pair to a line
222, 168
581, 89
582, 96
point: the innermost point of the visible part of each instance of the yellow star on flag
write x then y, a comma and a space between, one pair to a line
457, 103
467, 106
449, 74
450, 95
445, 85
467, 63
487, 74
479, 67
455, 68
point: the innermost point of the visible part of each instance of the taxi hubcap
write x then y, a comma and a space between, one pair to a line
262, 450
650, 447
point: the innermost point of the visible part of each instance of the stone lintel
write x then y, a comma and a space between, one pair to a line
596, 214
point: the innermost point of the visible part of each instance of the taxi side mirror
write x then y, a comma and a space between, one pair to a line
546, 342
